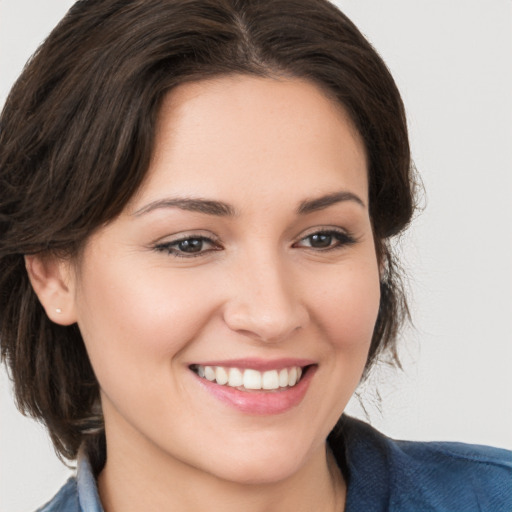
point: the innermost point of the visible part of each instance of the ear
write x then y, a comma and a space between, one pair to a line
53, 281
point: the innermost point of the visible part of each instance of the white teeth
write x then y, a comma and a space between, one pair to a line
249, 378
252, 379
270, 380
221, 375
209, 373
236, 378
292, 376
283, 378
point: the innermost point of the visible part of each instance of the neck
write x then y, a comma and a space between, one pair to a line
147, 480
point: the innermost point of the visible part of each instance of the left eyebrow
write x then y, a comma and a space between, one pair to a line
319, 203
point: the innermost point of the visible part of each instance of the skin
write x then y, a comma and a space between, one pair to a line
260, 289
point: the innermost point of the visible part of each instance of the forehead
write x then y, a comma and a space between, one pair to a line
251, 133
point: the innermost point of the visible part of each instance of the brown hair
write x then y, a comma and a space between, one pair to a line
76, 136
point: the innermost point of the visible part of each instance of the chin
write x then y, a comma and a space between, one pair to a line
261, 466
259, 472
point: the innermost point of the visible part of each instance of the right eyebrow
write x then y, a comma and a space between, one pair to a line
207, 206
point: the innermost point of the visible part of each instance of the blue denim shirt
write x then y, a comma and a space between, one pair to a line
78, 494
382, 475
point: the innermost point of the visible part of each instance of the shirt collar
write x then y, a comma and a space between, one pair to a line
86, 483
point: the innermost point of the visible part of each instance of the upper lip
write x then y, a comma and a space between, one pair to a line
258, 363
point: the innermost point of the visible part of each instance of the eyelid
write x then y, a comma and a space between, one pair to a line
325, 229
167, 244
349, 238
184, 235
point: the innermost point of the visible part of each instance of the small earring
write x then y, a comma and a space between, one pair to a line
58, 310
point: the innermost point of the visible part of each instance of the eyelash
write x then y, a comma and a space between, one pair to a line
342, 238
170, 247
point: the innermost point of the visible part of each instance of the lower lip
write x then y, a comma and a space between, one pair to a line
260, 402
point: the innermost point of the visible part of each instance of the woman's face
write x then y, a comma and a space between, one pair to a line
246, 255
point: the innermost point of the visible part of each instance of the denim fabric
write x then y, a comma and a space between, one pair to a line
382, 474
404, 476
79, 494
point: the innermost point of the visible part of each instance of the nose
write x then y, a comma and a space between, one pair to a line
265, 304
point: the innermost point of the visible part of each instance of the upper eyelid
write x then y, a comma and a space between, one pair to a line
169, 239
179, 237
350, 237
210, 237
179, 240
324, 229
171, 243
171, 247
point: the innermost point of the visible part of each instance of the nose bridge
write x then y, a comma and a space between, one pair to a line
264, 303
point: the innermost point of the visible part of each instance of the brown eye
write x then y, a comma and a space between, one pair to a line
320, 240
326, 240
190, 245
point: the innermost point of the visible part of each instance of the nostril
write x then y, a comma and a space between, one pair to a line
265, 310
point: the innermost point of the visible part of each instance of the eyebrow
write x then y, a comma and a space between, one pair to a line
221, 209
206, 206
319, 203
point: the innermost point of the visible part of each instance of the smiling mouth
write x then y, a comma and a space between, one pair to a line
249, 379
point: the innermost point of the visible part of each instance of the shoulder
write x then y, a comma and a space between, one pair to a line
66, 500
452, 476
405, 475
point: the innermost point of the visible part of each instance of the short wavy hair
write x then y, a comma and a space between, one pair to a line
77, 133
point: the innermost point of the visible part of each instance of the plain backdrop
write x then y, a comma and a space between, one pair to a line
452, 60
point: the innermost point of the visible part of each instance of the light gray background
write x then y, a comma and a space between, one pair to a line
452, 60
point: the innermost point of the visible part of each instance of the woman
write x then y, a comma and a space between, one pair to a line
197, 203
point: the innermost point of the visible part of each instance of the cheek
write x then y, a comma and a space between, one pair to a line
137, 325
348, 303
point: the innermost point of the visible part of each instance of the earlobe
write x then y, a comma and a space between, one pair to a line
52, 280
